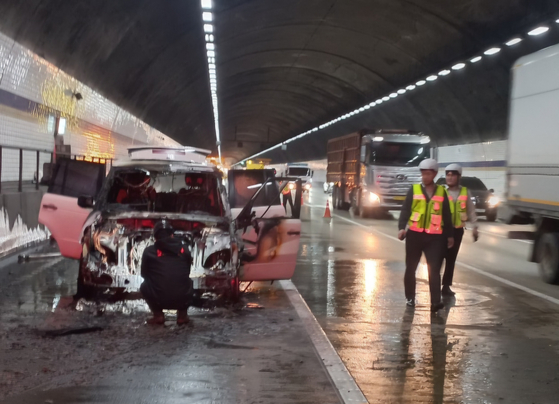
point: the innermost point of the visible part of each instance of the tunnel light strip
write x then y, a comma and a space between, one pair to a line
457, 66
208, 18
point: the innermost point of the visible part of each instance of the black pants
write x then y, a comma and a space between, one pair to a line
286, 198
451, 255
434, 246
157, 305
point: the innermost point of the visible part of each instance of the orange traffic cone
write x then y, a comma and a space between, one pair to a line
327, 214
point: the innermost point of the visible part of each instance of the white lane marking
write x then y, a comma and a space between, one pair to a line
472, 268
505, 237
347, 388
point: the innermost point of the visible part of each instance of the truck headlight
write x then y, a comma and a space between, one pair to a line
493, 201
307, 186
374, 197
291, 186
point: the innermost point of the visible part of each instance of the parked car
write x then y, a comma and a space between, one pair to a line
106, 223
484, 199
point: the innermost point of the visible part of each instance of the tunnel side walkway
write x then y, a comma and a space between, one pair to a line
257, 353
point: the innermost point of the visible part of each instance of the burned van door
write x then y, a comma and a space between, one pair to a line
59, 210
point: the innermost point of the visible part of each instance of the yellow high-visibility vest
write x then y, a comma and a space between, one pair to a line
459, 208
427, 217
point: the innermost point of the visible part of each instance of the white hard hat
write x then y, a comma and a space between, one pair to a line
454, 167
429, 164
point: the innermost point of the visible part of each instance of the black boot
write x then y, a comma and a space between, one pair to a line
436, 307
447, 291
410, 302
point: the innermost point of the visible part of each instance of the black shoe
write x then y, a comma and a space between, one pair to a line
410, 302
447, 291
436, 307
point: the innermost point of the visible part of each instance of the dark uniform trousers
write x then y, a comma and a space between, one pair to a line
451, 255
434, 247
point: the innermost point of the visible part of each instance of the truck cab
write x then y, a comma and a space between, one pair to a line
301, 171
372, 170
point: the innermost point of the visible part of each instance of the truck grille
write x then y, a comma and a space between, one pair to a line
394, 183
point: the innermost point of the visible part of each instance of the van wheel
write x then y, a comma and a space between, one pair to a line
548, 257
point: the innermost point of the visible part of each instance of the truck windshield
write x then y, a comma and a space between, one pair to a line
298, 171
398, 154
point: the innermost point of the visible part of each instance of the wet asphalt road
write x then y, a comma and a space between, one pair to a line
493, 343
258, 352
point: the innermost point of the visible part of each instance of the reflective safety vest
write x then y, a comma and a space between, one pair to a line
427, 217
459, 209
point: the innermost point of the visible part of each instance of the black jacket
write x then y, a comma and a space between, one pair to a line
166, 273
405, 214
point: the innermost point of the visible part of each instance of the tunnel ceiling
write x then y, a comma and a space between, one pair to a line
286, 66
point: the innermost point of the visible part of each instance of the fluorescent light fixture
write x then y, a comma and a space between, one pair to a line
401, 91
211, 65
476, 59
361, 109
444, 73
492, 51
393, 95
458, 66
411, 87
379, 101
207, 16
372, 104
208, 28
211, 53
538, 31
210, 46
431, 78
209, 37
421, 82
385, 98
557, 21
513, 41
207, 4
378, 139
367, 106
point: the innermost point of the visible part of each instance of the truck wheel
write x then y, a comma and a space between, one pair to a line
335, 197
548, 256
362, 211
491, 215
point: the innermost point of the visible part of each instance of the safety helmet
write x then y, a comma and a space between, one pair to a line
429, 164
162, 229
453, 167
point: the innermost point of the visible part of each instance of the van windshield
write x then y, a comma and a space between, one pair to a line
297, 171
398, 154
141, 190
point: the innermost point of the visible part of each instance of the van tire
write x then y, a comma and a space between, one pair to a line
548, 257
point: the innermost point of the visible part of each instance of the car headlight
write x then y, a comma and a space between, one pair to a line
291, 185
493, 201
374, 197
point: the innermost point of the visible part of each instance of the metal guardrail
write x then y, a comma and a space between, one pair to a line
38, 156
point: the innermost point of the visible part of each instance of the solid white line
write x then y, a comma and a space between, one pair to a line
472, 268
347, 388
505, 237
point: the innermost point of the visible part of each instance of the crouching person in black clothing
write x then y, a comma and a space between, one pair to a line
166, 273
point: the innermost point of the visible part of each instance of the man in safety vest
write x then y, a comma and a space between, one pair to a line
426, 214
462, 209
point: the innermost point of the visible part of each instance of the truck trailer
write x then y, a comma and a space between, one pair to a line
533, 158
373, 169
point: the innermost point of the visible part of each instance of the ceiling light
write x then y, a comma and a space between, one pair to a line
557, 21
372, 104
420, 82
402, 91
208, 28
492, 51
393, 95
379, 101
209, 38
207, 4
409, 88
513, 41
367, 106
476, 59
378, 139
458, 66
210, 46
207, 16
432, 78
385, 98
538, 31
444, 73
211, 53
